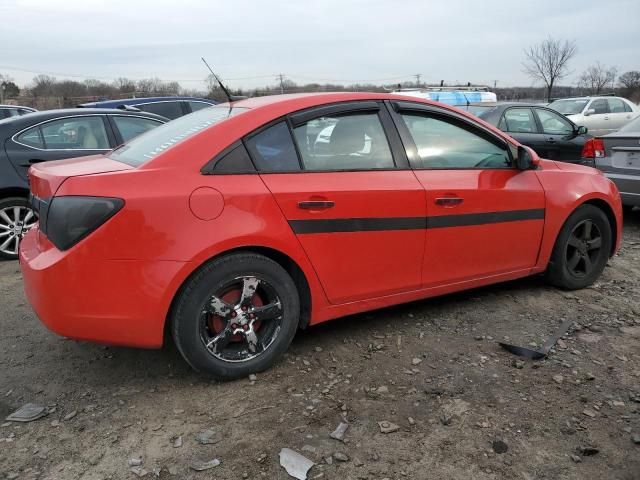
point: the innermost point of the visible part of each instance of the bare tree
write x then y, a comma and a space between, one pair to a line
125, 85
597, 77
630, 82
43, 85
547, 61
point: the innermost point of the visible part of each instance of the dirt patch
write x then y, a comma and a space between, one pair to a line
465, 408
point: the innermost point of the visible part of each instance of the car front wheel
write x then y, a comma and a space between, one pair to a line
236, 315
581, 250
16, 218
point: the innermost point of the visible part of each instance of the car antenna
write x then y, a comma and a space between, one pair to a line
230, 97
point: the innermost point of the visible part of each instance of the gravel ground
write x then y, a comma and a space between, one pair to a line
460, 407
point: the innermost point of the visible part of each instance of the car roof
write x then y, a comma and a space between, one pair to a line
17, 106
139, 100
43, 115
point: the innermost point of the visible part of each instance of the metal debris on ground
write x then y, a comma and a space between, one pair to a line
201, 466
27, 413
295, 464
544, 350
338, 433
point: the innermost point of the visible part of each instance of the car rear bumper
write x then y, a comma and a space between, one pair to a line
118, 302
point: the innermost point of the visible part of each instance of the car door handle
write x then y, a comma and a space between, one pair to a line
606, 118
315, 204
551, 140
449, 201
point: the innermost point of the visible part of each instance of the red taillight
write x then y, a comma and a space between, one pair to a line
593, 148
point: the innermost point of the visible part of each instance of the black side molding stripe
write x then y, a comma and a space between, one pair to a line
411, 223
484, 218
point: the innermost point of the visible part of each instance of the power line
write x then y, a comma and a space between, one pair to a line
418, 75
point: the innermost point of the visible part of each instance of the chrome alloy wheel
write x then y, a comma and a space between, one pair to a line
15, 222
241, 320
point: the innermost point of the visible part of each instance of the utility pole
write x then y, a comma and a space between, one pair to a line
495, 84
418, 75
281, 78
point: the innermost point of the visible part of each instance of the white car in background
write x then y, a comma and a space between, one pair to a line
601, 115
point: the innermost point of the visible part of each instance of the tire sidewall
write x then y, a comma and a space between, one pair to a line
211, 278
560, 274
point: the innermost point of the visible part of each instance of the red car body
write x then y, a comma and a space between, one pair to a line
117, 285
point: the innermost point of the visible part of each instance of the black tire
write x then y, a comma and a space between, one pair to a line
563, 271
12, 231
192, 327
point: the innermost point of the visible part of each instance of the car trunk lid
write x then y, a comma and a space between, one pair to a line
46, 178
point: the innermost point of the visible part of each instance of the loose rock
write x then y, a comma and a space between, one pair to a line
207, 437
499, 446
388, 427
201, 466
338, 433
341, 457
295, 464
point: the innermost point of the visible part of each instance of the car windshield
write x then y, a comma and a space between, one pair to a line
632, 127
156, 141
569, 107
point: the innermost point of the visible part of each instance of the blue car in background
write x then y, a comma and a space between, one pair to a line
168, 107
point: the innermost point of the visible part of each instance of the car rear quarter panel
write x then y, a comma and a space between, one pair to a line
567, 187
157, 223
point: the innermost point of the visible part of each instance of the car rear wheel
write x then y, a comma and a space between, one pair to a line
16, 218
236, 315
581, 250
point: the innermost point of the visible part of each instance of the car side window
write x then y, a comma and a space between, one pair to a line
131, 127
553, 123
272, 149
81, 133
443, 143
170, 110
195, 106
344, 142
31, 138
616, 105
518, 120
627, 108
599, 106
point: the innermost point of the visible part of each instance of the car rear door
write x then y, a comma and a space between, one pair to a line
599, 122
484, 217
342, 180
619, 115
59, 138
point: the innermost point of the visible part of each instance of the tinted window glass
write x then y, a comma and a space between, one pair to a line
554, 124
169, 110
344, 142
616, 105
600, 106
133, 126
519, 120
145, 147
195, 106
81, 133
272, 149
443, 144
31, 138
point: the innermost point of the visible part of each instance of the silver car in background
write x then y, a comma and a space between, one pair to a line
601, 115
618, 156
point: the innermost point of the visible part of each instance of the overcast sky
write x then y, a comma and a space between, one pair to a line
248, 42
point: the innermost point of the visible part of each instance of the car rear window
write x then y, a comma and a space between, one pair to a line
154, 142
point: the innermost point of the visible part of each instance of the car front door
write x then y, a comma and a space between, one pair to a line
484, 217
57, 139
342, 180
126, 127
520, 123
598, 121
561, 136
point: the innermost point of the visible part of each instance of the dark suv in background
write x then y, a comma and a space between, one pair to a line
7, 111
53, 135
169, 107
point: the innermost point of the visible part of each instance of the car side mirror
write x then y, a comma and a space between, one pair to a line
526, 160
582, 130
588, 112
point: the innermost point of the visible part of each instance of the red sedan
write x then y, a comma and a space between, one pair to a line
233, 227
